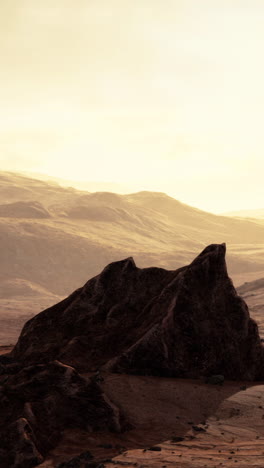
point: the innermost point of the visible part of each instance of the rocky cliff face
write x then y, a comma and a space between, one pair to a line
184, 323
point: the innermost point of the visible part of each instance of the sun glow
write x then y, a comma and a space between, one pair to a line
158, 95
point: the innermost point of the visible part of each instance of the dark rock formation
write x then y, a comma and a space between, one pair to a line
184, 323
39, 402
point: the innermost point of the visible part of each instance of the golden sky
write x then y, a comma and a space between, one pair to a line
155, 94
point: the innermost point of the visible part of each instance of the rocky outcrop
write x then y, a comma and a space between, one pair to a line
184, 323
39, 402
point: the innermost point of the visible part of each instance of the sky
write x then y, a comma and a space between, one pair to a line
162, 95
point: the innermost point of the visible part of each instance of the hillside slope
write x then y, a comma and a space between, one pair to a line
253, 293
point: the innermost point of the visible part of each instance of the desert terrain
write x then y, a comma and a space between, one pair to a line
96, 381
131, 234
54, 238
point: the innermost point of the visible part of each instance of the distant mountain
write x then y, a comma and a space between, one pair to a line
86, 185
56, 237
259, 214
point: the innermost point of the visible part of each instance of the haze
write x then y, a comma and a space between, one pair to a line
152, 95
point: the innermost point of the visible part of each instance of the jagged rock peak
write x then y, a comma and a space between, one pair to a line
213, 251
187, 323
120, 266
212, 258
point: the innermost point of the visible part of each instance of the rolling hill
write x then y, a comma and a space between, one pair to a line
55, 238
257, 214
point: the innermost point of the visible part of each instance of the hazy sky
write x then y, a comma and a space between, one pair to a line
158, 94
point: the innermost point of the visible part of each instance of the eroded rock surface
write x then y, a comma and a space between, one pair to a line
39, 402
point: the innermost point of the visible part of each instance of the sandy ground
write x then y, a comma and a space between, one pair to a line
5, 349
230, 418
234, 436
160, 410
